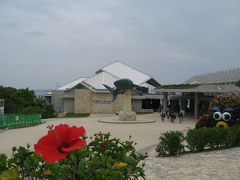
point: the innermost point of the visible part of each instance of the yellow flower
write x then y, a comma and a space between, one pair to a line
63, 166
119, 165
47, 172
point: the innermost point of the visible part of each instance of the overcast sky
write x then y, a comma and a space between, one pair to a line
43, 42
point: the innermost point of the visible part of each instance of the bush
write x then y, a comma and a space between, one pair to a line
197, 139
103, 158
16, 99
233, 136
46, 111
171, 143
31, 110
211, 138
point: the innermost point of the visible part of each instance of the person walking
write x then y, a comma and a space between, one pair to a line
173, 117
181, 115
162, 115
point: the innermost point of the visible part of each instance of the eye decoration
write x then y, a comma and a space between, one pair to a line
226, 116
217, 116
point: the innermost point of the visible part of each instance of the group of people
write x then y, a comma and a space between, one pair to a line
171, 115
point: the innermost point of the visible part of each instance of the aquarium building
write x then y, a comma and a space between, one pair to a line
88, 95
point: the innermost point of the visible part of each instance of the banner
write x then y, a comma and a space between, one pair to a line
1, 106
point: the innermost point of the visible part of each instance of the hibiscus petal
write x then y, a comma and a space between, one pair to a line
75, 133
75, 145
59, 142
62, 132
53, 156
45, 143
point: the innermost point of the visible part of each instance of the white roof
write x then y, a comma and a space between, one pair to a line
71, 84
215, 77
97, 80
121, 70
108, 75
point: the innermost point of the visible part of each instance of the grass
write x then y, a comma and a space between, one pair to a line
73, 115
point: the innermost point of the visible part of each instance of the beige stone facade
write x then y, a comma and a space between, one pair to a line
87, 101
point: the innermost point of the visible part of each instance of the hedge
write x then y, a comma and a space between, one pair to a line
46, 111
197, 140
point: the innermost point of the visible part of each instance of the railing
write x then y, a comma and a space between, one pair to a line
19, 120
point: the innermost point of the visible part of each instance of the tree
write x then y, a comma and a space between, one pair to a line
16, 99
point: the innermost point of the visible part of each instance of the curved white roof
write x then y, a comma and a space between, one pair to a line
97, 81
108, 75
121, 70
71, 84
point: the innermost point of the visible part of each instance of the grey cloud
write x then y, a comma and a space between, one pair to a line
170, 40
34, 34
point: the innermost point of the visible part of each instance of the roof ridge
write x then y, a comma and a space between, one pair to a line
71, 82
129, 67
107, 65
110, 74
98, 74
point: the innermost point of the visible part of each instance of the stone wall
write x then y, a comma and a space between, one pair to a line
87, 101
82, 101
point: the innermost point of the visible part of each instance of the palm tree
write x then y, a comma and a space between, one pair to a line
40, 101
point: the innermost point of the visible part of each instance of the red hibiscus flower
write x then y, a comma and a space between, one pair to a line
59, 142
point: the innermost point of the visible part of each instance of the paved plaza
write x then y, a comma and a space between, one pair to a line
144, 134
213, 165
224, 164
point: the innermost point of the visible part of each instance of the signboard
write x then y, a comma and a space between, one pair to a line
102, 101
1, 106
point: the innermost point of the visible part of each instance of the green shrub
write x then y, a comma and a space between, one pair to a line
171, 143
16, 99
46, 111
103, 158
31, 110
211, 138
197, 139
233, 136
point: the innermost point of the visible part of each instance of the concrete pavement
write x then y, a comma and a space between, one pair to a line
144, 134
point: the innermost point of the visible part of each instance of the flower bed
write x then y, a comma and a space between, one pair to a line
65, 153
